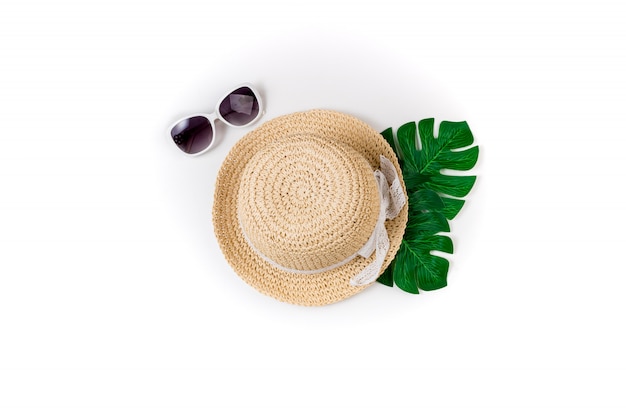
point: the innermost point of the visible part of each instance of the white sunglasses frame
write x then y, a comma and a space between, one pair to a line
215, 115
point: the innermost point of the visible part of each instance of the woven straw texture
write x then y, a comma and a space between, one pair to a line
300, 189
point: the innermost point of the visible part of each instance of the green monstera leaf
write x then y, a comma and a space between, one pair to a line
434, 199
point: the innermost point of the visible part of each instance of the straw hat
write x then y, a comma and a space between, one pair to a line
310, 207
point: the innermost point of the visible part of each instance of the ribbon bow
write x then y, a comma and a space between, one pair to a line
392, 199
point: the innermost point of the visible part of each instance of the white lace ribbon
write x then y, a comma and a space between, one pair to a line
392, 199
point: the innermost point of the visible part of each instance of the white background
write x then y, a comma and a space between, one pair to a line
115, 299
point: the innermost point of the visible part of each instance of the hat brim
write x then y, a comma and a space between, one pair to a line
302, 289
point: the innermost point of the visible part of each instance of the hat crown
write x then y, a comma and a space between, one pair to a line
307, 203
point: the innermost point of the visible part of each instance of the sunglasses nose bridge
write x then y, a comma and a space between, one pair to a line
213, 116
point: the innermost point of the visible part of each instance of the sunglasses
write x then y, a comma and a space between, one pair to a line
240, 107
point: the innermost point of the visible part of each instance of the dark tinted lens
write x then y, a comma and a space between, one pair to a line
240, 107
193, 135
